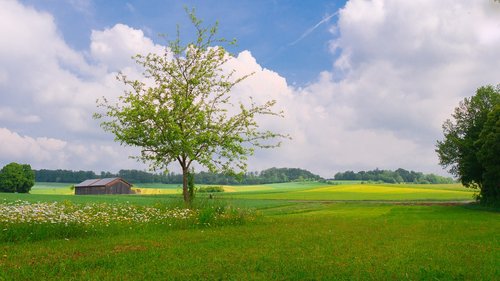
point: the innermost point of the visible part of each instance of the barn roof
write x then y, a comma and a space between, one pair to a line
100, 182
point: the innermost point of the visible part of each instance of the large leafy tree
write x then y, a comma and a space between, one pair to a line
184, 112
16, 177
489, 155
467, 143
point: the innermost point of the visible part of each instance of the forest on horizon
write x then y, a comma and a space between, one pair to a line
267, 176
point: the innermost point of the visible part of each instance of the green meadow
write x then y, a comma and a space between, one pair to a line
298, 231
341, 191
52, 188
366, 192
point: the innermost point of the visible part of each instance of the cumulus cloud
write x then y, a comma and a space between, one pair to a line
43, 77
10, 115
404, 65
48, 94
114, 47
52, 153
401, 68
28, 149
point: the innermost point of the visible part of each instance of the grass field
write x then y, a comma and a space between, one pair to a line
52, 188
305, 191
310, 239
354, 192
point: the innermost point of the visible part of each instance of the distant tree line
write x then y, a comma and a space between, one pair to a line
397, 176
272, 175
63, 176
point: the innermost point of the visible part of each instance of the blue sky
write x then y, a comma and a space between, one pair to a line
367, 88
269, 29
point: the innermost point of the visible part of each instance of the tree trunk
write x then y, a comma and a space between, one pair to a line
185, 191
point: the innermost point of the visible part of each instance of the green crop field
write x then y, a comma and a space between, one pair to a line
52, 188
353, 192
303, 233
304, 191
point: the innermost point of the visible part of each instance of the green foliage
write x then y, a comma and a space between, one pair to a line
15, 177
398, 176
29, 179
185, 114
272, 175
219, 213
468, 147
489, 156
66, 176
276, 175
211, 188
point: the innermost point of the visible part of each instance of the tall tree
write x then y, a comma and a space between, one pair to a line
186, 114
459, 151
489, 155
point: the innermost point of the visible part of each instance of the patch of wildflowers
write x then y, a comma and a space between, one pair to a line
22, 212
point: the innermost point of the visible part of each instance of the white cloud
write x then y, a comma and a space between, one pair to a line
403, 66
48, 93
43, 76
10, 115
52, 153
27, 149
116, 46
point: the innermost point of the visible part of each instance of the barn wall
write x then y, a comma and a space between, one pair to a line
98, 190
125, 188
117, 188
90, 190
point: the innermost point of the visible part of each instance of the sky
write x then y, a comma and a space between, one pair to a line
363, 84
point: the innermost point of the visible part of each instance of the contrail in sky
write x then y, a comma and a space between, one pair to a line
305, 34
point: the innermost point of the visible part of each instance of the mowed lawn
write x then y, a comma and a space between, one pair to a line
293, 241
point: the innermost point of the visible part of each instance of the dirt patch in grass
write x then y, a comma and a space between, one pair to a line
129, 248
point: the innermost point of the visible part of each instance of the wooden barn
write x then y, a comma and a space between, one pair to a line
103, 186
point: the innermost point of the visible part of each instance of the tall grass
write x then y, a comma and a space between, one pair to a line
26, 221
